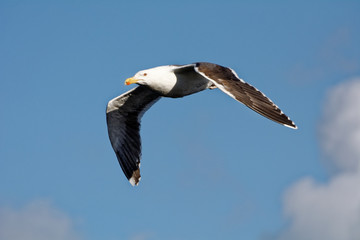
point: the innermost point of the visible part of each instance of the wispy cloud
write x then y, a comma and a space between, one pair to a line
38, 220
336, 54
340, 127
331, 210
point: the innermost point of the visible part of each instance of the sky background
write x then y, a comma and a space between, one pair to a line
211, 168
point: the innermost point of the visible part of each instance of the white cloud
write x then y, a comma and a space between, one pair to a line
340, 127
36, 221
324, 211
331, 210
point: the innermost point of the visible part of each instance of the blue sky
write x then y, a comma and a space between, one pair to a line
211, 168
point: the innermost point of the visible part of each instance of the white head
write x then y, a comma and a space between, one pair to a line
149, 76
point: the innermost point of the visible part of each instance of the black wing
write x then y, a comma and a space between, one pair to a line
227, 81
123, 116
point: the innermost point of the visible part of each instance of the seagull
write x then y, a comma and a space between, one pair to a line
124, 113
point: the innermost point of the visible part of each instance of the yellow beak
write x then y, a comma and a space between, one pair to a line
131, 80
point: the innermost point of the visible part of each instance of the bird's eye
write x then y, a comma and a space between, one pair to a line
145, 74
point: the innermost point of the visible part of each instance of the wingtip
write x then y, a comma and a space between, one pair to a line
293, 126
135, 178
133, 182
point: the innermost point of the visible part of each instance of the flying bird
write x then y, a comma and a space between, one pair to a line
123, 113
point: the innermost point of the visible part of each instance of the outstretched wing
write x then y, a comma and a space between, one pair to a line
227, 81
123, 116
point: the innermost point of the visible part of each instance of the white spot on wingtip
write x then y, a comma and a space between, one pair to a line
135, 177
289, 126
132, 181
